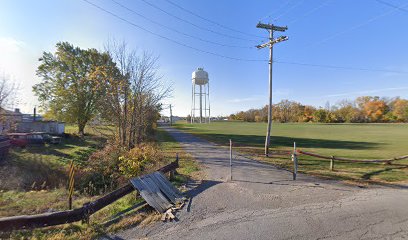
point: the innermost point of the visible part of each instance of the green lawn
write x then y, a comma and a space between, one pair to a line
361, 141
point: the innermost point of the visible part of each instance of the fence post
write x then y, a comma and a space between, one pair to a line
295, 161
230, 160
71, 183
172, 171
332, 163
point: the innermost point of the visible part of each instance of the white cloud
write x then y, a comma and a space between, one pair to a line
263, 98
247, 99
366, 92
10, 45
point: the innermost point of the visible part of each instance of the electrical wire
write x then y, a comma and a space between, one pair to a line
169, 39
177, 31
392, 5
234, 58
277, 10
195, 25
325, 3
339, 67
354, 27
288, 10
211, 21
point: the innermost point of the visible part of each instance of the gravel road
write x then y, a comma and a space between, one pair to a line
263, 202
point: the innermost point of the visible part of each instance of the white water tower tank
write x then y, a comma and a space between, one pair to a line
200, 77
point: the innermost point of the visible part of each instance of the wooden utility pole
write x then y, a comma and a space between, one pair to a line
171, 116
271, 28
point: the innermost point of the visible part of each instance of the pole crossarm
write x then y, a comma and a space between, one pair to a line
271, 27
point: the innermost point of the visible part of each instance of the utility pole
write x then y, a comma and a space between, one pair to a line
171, 116
270, 28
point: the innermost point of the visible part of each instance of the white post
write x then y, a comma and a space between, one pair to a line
230, 160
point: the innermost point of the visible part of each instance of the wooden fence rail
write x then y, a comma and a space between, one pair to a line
354, 160
62, 217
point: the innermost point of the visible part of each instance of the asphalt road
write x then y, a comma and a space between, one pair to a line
263, 202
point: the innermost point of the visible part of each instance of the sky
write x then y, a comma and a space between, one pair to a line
337, 49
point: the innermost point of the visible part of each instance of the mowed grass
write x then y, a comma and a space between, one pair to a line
357, 141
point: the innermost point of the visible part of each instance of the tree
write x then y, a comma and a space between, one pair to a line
321, 115
287, 111
8, 92
8, 97
400, 109
375, 110
308, 113
345, 111
67, 89
133, 91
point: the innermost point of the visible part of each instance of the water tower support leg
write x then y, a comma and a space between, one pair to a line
201, 104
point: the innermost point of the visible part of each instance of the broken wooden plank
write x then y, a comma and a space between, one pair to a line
171, 195
146, 194
157, 191
168, 183
164, 202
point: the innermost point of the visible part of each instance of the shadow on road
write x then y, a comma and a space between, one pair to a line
204, 185
293, 184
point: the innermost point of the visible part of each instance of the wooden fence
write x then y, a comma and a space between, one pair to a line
62, 217
342, 159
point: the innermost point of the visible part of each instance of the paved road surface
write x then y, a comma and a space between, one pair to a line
263, 202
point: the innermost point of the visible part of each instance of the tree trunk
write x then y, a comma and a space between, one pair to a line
81, 129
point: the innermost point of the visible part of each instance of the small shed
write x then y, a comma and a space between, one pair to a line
51, 127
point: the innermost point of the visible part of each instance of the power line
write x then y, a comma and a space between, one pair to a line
239, 59
169, 39
309, 12
277, 10
288, 10
195, 25
392, 5
355, 27
339, 67
177, 31
210, 21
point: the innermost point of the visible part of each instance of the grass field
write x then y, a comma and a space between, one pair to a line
361, 141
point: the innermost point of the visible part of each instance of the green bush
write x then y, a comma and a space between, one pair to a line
139, 159
101, 173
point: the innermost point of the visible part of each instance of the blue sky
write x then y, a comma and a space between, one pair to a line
343, 33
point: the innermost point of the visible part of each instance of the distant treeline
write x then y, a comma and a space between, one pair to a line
365, 109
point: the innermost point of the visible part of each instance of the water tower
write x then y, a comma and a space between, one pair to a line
200, 80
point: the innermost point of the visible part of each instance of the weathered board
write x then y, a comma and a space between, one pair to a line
157, 191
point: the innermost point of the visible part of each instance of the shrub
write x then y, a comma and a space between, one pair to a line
102, 173
139, 159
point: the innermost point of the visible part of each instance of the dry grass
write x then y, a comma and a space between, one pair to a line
31, 202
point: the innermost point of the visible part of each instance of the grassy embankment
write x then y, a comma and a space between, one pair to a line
361, 141
38, 184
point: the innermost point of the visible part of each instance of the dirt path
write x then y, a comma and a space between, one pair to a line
263, 202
